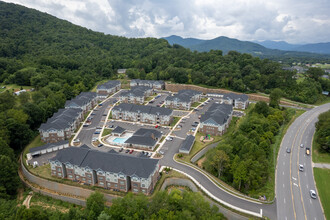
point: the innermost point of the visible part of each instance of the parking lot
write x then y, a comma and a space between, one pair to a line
158, 101
43, 159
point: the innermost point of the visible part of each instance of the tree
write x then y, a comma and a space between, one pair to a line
9, 180
7, 101
219, 161
275, 97
262, 108
314, 73
95, 204
323, 131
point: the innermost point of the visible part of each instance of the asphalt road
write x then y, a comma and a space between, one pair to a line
293, 186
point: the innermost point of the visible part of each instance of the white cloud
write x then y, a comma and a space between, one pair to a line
295, 21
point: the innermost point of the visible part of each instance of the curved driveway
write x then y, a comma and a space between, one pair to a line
292, 185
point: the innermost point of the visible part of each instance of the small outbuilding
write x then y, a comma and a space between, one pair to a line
187, 144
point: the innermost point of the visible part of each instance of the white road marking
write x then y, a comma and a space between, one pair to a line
284, 201
283, 185
294, 178
310, 201
283, 163
305, 173
304, 164
283, 172
295, 184
286, 218
307, 186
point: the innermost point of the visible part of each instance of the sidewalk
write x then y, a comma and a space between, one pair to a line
321, 165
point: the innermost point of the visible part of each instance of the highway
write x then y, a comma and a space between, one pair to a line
293, 186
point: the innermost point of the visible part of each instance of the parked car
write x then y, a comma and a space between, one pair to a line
131, 151
194, 125
110, 126
151, 102
156, 126
169, 138
158, 105
85, 125
127, 150
105, 114
149, 154
161, 152
307, 151
94, 139
100, 145
312, 193
76, 140
100, 104
93, 113
121, 149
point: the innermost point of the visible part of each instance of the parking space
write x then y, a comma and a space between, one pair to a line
158, 100
178, 113
42, 159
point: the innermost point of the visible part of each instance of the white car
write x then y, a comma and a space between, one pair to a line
312, 193
301, 145
301, 167
169, 138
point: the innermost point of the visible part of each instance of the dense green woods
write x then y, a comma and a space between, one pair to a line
322, 135
243, 159
173, 205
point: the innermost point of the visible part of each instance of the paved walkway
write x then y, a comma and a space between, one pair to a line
322, 165
27, 201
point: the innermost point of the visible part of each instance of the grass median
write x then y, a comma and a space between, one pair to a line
322, 178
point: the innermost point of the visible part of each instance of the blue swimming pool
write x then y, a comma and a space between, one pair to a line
119, 140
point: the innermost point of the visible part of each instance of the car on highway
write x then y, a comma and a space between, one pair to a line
307, 151
312, 193
301, 145
288, 150
301, 167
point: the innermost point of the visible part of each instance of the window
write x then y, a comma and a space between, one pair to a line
70, 176
108, 184
143, 185
89, 181
121, 187
135, 190
101, 178
102, 183
116, 185
135, 184
59, 174
143, 190
59, 169
121, 182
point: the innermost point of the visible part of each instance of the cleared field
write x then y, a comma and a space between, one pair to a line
322, 178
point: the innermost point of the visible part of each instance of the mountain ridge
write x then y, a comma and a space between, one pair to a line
265, 48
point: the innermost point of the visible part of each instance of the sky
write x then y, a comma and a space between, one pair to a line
294, 21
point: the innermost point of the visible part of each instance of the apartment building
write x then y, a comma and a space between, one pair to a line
143, 113
136, 95
61, 125
108, 88
109, 170
183, 99
84, 101
216, 119
239, 101
155, 84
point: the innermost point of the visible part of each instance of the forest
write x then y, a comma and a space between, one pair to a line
59, 60
244, 158
174, 205
322, 134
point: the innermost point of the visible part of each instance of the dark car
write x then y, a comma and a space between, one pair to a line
127, 150
100, 145
121, 149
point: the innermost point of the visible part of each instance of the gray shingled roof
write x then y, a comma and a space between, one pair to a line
107, 161
108, 85
46, 146
183, 95
148, 82
62, 119
217, 114
142, 109
187, 143
118, 130
81, 99
143, 136
136, 91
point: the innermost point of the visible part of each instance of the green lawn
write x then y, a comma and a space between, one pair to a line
175, 120
106, 132
317, 156
195, 104
13, 86
322, 178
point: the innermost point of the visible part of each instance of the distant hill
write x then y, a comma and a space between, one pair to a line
265, 49
321, 48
